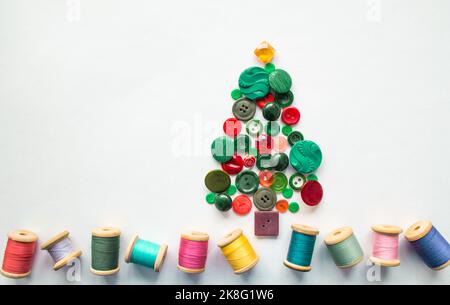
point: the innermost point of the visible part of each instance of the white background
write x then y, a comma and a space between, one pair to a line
91, 110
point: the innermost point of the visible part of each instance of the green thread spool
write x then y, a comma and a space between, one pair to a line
344, 247
105, 245
145, 253
301, 248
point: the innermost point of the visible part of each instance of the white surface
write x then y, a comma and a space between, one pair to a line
90, 112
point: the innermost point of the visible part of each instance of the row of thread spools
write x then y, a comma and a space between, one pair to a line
342, 244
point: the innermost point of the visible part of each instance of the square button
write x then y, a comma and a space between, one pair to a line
266, 223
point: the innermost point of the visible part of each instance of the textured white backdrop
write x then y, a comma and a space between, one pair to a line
91, 107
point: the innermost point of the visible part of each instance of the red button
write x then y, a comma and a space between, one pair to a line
312, 193
264, 144
290, 115
232, 127
249, 161
269, 98
242, 205
234, 166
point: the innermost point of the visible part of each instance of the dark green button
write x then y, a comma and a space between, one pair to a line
281, 161
305, 156
247, 182
254, 83
294, 137
280, 182
222, 149
280, 81
271, 111
265, 161
265, 199
244, 109
217, 181
296, 181
284, 99
242, 144
273, 128
254, 128
223, 202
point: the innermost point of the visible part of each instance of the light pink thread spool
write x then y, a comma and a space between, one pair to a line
193, 252
385, 245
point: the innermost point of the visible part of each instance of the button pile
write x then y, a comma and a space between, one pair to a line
262, 143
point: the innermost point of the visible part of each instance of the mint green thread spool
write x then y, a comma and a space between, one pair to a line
344, 247
145, 253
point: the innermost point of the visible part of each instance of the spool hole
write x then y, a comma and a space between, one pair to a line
416, 228
337, 233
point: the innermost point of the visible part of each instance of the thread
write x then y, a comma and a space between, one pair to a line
61, 250
193, 252
145, 253
344, 247
238, 251
105, 245
301, 248
385, 245
431, 246
19, 254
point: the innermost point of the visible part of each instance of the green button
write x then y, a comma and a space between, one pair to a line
217, 181
264, 199
273, 128
244, 109
210, 198
286, 130
223, 202
296, 181
305, 156
265, 161
281, 161
280, 81
294, 207
287, 193
247, 182
313, 177
236, 94
254, 83
231, 190
284, 99
254, 128
271, 111
280, 182
270, 67
242, 144
222, 149
295, 137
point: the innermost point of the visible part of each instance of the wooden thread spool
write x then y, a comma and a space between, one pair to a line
390, 232
54, 241
301, 247
21, 237
193, 250
344, 247
153, 253
429, 244
238, 251
107, 235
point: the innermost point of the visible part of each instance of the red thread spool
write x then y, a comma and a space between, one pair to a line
19, 254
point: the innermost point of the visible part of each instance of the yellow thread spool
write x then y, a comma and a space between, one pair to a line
238, 251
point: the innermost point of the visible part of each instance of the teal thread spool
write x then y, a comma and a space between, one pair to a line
301, 248
344, 247
146, 253
105, 247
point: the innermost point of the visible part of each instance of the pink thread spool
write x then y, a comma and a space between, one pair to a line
193, 252
385, 245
